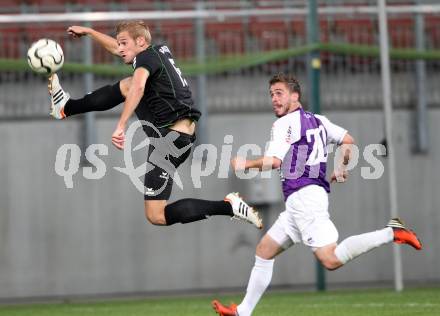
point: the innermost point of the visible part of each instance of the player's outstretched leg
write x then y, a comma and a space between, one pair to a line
191, 210
223, 310
58, 97
102, 99
243, 211
403, 235
395, 230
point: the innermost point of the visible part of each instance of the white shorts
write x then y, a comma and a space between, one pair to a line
306, 219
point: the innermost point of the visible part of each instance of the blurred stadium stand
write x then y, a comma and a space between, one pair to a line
240, 36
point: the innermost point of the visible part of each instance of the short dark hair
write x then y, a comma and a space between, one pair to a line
291, 82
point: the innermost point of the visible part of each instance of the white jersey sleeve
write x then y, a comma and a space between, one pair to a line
285, 131
335, 133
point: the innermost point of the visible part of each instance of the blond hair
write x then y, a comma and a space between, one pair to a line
135, 29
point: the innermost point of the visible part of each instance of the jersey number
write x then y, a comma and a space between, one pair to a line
184, 83
319, 150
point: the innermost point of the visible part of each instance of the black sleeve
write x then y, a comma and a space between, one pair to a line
150, 60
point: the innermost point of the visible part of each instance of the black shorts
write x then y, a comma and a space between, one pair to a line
166, 153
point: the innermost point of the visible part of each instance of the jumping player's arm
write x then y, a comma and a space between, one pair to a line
134, 96
108, 42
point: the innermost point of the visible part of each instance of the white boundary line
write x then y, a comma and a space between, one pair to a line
204, 14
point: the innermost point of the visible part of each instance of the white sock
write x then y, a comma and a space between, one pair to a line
259, 280
354, 246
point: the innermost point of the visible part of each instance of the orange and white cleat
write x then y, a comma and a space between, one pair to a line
58, 97
403, 235
222, 310
243, 211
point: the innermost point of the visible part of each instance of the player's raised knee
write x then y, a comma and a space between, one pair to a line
267, 248
154, 211
155, 219
331, 264
124, 85
261, 250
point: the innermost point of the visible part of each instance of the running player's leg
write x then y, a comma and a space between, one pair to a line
274, 242
310, 206
333, 256
261, 274
259, 280
102, 99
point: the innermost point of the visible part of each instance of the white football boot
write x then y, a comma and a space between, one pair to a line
58, 97
243, 211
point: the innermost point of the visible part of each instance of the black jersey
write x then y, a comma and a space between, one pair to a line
167, 97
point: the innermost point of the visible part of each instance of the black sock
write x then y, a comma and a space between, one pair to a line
102, 99
192, 210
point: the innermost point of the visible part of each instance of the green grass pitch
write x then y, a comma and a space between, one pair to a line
410, 302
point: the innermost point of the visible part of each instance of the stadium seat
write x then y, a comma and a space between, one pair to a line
132, 5
179, 36
298, 31
226, 38
354, 31
401, 32
10, 42
9, 6
432, 29
269, 34
34, 31
359, 31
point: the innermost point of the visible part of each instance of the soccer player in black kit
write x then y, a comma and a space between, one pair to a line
159, 94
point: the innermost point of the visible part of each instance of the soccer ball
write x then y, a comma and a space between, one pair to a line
45, 56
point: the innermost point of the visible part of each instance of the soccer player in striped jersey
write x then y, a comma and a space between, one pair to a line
298, 147
159, 94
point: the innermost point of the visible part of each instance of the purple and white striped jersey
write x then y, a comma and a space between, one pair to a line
300, 140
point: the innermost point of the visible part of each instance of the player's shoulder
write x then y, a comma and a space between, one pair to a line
144, 55
322, 118
153, 50
148, 55
157, 49
288, 119
288, 127
327, 123
308, 115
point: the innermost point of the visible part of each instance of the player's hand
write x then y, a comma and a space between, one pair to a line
238, 163
339, 176
118, 138
77, 31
